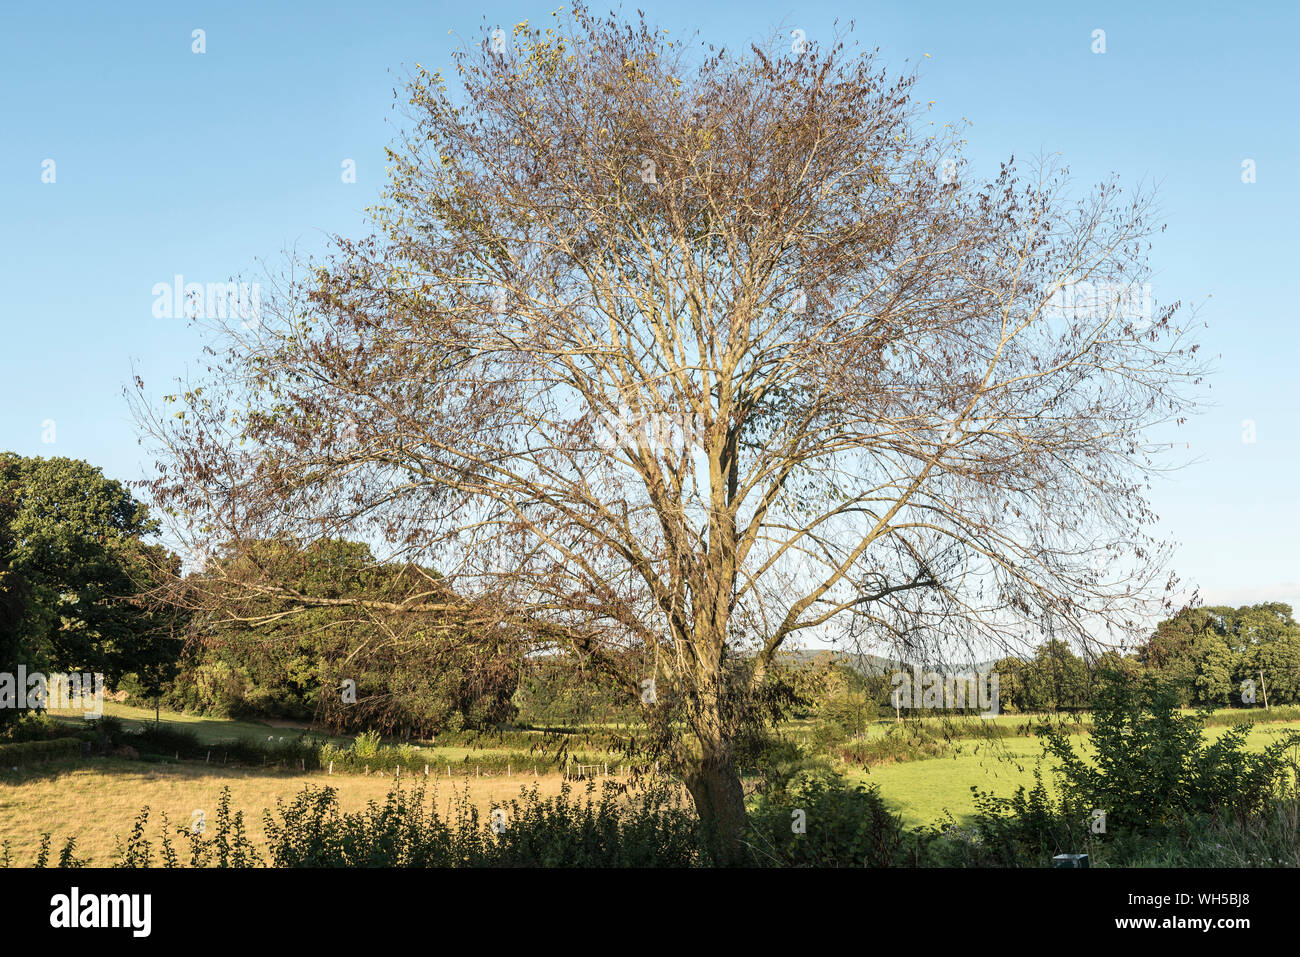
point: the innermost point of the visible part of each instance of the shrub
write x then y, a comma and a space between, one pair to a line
310, 830
1153, 767
366, 744
30, 726
1169, 797
1025, 830
26, 752
844, 825
221, 689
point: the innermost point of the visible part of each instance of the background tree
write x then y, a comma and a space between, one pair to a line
13, 597
1266, 638
672, 354
1170, 651
1209, 651
1110, 662
279, 628
1012, 673
74, 555
1054, 679
1214, 670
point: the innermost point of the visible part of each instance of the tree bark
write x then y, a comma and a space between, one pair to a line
720, 801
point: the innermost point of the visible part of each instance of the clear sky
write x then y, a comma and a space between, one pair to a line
204, 165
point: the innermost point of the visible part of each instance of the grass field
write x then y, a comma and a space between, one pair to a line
96, 800
216, 731
208, 730
922, 792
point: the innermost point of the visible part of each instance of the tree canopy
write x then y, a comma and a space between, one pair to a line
670, 355
73, 557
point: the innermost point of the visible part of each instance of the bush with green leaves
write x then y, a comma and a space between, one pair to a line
821, 820
1157, 792
1153, 766
29, 726
311, 830
1024, 830
27, 752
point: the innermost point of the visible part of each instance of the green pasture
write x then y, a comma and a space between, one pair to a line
921, 791
925, 791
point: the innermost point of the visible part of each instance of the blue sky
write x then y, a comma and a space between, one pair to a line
169, 162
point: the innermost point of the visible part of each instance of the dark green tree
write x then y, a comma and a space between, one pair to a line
328, 640
1268, 639
1169, 653
76, 565
1056, 679
1214, 667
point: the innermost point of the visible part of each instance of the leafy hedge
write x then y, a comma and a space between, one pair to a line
15, 755
1255, 715
366, 755
587, 827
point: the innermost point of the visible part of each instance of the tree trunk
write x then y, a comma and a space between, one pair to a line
720, 802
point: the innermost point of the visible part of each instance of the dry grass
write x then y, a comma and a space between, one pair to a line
97, 800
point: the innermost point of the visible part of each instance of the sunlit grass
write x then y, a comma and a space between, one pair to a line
96, 800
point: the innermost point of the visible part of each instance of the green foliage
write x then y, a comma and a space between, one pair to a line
73, 559
1250, 716
29, 726
302, 751
1170, 798
906, 741
1055, 679
311, 830
1024, 830
554, 692
1206, 653
781, 761
26, 752
67, 857
366, 744
296, 663
844, 706
223, 843
1152, 765
819, 820
220, 689
1212, 670
914, 740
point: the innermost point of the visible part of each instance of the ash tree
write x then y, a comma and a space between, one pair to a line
673, 356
